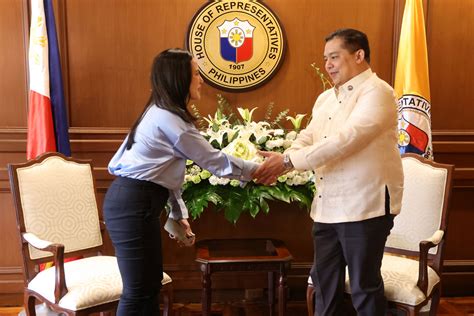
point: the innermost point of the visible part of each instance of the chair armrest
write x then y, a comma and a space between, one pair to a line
436, 238
60, 288
425, 245
36, 242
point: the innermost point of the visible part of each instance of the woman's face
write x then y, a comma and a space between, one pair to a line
196, 81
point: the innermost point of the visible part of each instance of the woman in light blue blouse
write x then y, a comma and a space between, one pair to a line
150, 166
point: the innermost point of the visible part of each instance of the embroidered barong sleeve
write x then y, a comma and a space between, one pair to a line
374, 112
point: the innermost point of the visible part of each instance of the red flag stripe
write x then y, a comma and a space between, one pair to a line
40, 126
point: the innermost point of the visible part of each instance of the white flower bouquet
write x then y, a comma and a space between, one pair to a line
243, 138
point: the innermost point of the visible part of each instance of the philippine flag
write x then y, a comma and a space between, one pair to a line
412, 138
47, 118
236, 40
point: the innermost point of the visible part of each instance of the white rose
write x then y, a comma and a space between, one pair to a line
279, 142
223, 181
270, 144
291, 135
299, 180
241, 148
287, 143
213, 180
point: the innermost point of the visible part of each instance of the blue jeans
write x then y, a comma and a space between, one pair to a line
132, 215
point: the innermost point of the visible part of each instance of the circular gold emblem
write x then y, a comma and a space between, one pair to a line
239, 45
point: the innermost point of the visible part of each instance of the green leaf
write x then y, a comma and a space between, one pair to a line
264, 206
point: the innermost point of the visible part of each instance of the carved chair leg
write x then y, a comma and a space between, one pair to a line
411, 311
282, 291
168, 300
435, 301
29, 302
310, 299
271, 292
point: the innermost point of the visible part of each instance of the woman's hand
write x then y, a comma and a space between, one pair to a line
191, 238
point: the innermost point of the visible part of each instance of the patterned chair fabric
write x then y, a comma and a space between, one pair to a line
59, 205
422, 205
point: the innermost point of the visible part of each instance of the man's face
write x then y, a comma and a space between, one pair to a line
340, 64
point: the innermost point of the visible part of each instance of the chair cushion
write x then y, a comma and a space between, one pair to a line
90, 281
166, 279
400, 276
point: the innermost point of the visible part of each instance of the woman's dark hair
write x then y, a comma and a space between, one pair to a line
353, 41
171, 75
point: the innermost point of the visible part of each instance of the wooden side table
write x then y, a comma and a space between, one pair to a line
222, 255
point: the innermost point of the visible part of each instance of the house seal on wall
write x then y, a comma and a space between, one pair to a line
239, 45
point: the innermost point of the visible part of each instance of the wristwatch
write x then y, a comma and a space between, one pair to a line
287, 162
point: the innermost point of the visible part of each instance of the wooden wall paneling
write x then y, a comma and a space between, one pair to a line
111, 45
458, 266
13, 81
450, 47
12, 149
11, 277
462, 217
10, 257
398, 6
109, 68
457, 147
457, 152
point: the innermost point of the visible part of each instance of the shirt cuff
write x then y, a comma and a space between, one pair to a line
248, 169
299, 161
178, 207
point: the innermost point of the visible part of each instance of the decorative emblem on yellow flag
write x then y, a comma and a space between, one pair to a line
239, 45
412, 84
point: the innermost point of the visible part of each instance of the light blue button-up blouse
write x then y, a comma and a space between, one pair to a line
163, 142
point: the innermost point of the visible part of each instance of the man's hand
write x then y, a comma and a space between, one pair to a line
270, 169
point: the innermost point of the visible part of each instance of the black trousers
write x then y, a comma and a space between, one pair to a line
359, 246
132, 215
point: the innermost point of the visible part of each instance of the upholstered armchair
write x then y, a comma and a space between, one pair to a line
412, 262
57, 217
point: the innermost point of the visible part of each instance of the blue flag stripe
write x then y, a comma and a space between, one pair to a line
58, 102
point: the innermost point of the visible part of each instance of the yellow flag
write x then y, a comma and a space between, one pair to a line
412, 84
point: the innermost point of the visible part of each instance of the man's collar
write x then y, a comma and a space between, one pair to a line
354, 83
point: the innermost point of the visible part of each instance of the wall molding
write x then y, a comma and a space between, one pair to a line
11, 270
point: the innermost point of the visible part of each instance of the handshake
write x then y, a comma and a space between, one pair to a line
275, 165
